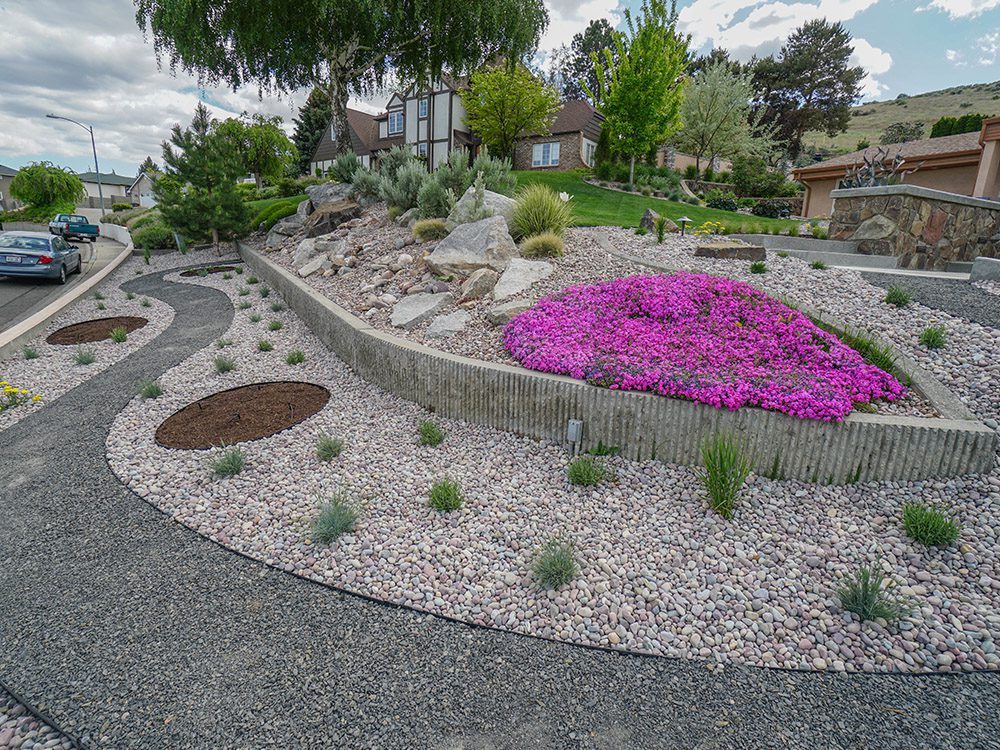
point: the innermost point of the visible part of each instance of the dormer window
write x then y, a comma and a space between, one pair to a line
422, 107
395, 122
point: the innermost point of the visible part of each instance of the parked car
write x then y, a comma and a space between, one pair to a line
38, 255
74, 226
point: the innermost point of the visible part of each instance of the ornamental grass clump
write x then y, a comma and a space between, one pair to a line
758, 266
929, 526
866, 595
556, 565
585, 471
229, 463
933, 337
818, 265
660, 225
337, 516
709, 339
85, 356
223, 364
430, 434
295, 357
328, 447
898, 296
445, 495
428, 230
726, 469
538, 208
119, 334
544, 245
265, 346
150, 389
30, 352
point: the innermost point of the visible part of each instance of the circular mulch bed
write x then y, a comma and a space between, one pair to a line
94, 330
246, 413
211, 269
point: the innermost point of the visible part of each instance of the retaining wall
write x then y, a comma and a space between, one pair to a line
642, 425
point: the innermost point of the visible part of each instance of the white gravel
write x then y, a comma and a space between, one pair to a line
660, 573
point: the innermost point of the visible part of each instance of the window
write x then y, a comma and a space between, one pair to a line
422, 150
422, 108
589, 147
395, 122
545, 155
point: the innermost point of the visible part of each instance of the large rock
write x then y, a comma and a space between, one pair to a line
482, 244
329, 244
316, 264
304, 252
878, 227
479, 284
520, 276
328, 216
496, 203
448, 325
985, 269
328, 192
648, 222
730, 251
500, 314
288, 226
414, 310
305, 208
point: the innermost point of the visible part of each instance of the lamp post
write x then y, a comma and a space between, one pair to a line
684, 220
93, 145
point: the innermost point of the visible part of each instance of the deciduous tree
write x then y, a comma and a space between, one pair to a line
261, 145
42, 184
901, 132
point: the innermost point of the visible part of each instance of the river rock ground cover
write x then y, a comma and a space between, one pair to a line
659, 572
22, 730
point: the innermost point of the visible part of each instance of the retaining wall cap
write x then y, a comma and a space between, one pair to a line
917, 192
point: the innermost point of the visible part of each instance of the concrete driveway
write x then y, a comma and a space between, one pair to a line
19, 298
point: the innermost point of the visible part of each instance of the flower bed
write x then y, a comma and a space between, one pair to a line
712, 340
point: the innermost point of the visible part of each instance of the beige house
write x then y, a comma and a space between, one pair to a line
112, 185
7, 202
965, 164
570, 144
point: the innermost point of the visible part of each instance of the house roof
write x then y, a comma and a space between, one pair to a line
7, 171
946, 149
107, 179
363, 130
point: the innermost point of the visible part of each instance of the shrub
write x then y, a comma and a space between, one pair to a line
929, 526
427, 230
265, 346
253, 280
119, 334
604, 450
540, 209
455, 174
782, 254
445, 495
101, 306
243, 291
690, 172
337, 516
254, 318
328, 447
229, 463
817, 232
223, 364
154, 236
277, 307
227, 276
144, 302
544, 245
585, 471
434, 200
265, 291
275, 325
430, 434
660, 225
402, 191
29, 352
84, 356
495, 173
295, 357
898, 296
365, 184
793, 230
865, 595
726, 469
395, 159
556, 565
772, 209
274, 213
475, 209
933, 337
222, 343
723, 201
758, 266
819, 265
121, 206
345, 165
150, 389
247, 191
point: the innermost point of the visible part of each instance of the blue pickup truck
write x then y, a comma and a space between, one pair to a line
74, 227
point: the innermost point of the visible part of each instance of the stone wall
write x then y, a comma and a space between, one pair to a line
923, 228
569, 152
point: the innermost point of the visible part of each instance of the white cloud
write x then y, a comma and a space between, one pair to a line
962, 8
988, 47
567, 17
874, 60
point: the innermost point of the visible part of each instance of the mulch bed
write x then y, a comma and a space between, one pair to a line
212, 269
249, 412
94, 330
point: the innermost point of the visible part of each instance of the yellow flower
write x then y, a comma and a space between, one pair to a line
36, 397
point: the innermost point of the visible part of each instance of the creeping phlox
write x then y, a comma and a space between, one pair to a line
709, 228
709, 339
11, 396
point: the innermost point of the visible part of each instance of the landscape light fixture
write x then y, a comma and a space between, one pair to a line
684, 222
93, 145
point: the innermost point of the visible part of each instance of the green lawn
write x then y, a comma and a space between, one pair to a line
257, 206
596, 206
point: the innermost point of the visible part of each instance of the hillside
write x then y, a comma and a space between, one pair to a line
869, 120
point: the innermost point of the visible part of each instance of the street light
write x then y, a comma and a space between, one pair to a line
93, 145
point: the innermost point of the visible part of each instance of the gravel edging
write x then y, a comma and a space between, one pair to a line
959, 298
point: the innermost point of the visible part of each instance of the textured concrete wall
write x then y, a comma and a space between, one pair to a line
643, 425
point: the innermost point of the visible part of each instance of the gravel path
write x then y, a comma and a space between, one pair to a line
133, 632
960, 298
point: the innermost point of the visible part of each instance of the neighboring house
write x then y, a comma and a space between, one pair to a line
570, 144
668, 156
113, 185
7, 202
965, 164
140, 192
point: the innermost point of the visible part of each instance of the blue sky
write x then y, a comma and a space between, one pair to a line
96, 67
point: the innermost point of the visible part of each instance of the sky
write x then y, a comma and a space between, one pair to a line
88, 60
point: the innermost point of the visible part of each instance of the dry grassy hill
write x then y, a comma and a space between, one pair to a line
869, 120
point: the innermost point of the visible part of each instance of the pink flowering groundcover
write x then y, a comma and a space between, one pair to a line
709, 339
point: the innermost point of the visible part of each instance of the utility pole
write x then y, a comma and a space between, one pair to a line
93, 145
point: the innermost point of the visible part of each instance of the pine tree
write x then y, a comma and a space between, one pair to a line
148, 167
313, 120
196, 194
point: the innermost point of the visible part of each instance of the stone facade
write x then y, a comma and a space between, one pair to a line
570, 152
923, 228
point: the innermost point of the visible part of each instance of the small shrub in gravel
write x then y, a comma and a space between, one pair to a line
781, 254
660, 225
150, 389
30, 352
277, 307
119, 334
265, 346
223, 364
84, 356
929, 526
129, 295
430, 434
336, 516
445, 495
295, 357
275, 325
604, 450
223, 343
818, 265
255, 318
428, 230
328, 447
585, 471
866, 595
243, 291
898, 297
239, 270
98, 295
544, 245
253, 280
265, 291
933, 337
229, 463
726, 469
641, 231
227, 276
244, 305
101, 306
145, 302
758, 266
556, 565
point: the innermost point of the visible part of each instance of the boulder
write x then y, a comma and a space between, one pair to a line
496, 203
288, 226
479, 284
500, 314
520, 276
413, 310
985, 269
730, 251
314, 265
328, 216
448, 325
328, 192
327, 244
305, 208
304, 252
482, 244
407, 218
274, 239
648, 222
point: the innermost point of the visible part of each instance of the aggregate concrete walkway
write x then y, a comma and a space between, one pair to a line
130, 631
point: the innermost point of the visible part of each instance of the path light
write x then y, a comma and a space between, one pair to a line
684, 221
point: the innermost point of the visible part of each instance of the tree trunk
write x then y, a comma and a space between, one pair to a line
215, 241
259, 181
337, 91
631, 171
